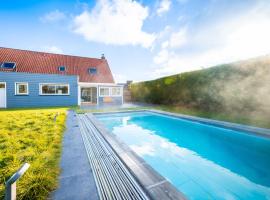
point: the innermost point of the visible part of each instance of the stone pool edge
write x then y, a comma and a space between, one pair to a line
234, 126
223, 124
155, 185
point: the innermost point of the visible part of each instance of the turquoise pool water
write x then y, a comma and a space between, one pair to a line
202, 161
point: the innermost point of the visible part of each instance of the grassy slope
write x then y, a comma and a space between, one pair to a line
33, 136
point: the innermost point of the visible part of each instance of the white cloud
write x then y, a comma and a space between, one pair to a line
164, 7
52, 49
161, 57
53, 16
144, 149
178, 39
165, 44
117, 22
241, 36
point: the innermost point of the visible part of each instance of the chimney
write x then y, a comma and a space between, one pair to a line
102, 56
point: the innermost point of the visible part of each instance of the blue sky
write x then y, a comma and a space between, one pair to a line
143, 39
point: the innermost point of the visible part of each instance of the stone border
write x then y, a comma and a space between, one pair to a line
229, 125
155, 185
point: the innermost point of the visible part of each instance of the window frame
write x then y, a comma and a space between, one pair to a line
62, 67
116, 95
17, 88
110, 91
2, 65
55, 84
89, 71
106, 87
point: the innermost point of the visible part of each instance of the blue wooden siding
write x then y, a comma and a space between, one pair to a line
33, 99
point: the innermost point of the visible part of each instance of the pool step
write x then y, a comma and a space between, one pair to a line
113, 179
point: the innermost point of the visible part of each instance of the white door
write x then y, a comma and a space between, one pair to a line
2, 95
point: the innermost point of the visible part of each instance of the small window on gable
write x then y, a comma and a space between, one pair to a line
62, 68
8, 65
92, 70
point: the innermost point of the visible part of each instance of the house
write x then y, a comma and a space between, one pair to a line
35, 79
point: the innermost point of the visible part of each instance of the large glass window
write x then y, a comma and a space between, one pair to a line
104, 91
54, 89
21, 88
116, 91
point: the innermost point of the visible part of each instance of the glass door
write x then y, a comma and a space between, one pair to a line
89, 95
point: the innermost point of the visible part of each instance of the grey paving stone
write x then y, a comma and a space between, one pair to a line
79, 186
76, 180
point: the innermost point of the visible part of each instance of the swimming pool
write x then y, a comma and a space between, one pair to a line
203, 161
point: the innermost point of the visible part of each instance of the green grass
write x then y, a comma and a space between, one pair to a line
33, 136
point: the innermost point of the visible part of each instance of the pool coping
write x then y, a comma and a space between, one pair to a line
156, 186
222, 124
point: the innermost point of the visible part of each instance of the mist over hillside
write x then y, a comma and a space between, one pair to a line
240, 87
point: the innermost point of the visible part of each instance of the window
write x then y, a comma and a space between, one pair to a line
8, 65
110, 91
2, 85
53, 89
21, 88
92, 70
104, 91
116, 91
62, 68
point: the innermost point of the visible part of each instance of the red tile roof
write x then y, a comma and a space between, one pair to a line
48, 63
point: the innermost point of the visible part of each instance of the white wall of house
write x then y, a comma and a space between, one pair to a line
98, 86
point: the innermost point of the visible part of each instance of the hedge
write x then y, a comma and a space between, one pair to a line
237, 87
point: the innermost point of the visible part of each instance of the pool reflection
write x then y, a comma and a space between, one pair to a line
204, 162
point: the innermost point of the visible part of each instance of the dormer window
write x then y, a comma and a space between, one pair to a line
92, 70
62, 68
8, 65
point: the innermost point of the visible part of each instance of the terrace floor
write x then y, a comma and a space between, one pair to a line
76, 179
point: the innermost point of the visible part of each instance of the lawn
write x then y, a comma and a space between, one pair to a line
33, 136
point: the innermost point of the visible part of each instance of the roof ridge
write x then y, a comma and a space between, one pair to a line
48, 63
100, 59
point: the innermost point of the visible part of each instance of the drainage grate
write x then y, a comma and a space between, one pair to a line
113, 179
